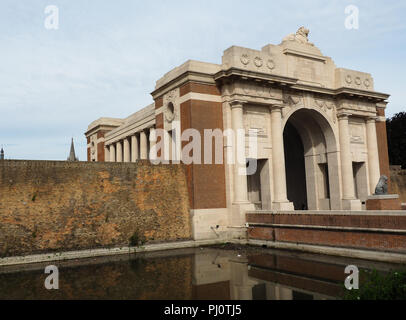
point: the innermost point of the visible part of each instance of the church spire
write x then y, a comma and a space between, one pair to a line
1, 154
72, 155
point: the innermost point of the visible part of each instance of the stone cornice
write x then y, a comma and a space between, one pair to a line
293, 83
236, 72
377, 96
100, 127
198, 77
130, 129
349, 92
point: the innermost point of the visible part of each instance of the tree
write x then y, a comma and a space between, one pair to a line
396, 129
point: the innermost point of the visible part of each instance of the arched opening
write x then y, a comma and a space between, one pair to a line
311, 162
295, 167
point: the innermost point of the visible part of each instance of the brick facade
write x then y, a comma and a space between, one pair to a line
100, 152
206, 182
377, 232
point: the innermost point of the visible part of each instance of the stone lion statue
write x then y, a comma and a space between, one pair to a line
300, 36
382, 186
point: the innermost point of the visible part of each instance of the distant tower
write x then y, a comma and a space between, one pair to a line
72, 156
1, 154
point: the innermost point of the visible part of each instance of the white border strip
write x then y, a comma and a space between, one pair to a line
69, 255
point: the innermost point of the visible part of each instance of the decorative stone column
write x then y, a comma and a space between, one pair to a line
143, 145
119, 151
127, 154
281, 201
106, 154
134, 148
112, 153
240, 179
347, 175
240, 201
373, 154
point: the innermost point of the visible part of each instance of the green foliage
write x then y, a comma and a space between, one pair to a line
136, 239
396, 129
374, 285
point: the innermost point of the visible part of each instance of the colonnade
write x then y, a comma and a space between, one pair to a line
131, 148
280, 200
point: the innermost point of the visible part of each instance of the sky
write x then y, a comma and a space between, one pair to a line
105, 56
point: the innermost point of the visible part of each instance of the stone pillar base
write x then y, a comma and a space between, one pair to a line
238, 212
209, 223
353, 205
384, 202
283, 206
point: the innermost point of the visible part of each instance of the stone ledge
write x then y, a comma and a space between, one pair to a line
323, 250
334, 251
383, 196
333, 212
334, 228
69, 255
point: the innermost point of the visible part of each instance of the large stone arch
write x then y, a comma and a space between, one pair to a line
321, 158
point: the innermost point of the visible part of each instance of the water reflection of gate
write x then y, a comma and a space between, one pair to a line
264, 277
290, 278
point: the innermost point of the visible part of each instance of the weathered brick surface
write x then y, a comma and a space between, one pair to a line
58, 206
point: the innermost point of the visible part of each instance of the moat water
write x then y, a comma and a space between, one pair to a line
190, 274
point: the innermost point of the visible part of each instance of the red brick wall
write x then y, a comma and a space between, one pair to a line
332, 220
288, 228
159, 102
100, 152
206, 182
